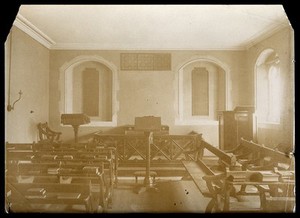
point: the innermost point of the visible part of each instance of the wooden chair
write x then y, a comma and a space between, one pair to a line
48, 136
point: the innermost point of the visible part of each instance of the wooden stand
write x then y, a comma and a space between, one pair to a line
148, 184
75, 127
75, 120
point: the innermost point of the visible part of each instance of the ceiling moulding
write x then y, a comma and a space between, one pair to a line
99, 46
23, 24
257, 38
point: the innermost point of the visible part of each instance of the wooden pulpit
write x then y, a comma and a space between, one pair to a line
75, 120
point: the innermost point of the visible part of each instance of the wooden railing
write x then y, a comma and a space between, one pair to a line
164, 147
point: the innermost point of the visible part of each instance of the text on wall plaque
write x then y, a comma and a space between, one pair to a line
146, 61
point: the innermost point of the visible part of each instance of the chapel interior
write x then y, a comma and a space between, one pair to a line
149, 109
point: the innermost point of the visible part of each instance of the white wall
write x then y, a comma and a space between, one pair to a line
35, 70
29, 73
143, 93
283, 44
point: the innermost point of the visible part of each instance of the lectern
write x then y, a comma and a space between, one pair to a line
75, 120
149, 125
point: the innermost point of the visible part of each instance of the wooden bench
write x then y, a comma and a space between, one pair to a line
254, 156
108, 150
82, 187
226, 198
75, 154
224, 159
24, 197
27, 164
197, 169
52, 166
203, 171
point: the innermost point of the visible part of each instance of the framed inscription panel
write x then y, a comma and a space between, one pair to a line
146, 61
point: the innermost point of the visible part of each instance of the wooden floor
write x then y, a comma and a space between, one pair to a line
173, 196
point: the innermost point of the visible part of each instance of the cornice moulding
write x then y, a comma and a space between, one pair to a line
26, 26
97, 46
266, 34
23, 24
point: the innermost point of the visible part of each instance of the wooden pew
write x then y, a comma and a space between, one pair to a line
19, 146
37, 163
87, 156
254, 156
226, 159
93, 149
21, 200
203, 166
84, 186
42, 165
235, 162
223, 159
111, 152
76, 153
268, 187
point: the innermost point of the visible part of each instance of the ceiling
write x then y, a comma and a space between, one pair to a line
151, 27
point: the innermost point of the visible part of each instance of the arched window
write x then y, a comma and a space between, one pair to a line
268, 87
89, 87
201, 93
92, 89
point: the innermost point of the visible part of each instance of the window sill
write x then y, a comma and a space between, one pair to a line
268, 125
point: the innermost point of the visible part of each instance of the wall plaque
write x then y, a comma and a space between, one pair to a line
146, 61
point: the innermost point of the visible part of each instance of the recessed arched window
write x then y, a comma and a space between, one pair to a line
89, 87
201, 92
92, 90
268, 87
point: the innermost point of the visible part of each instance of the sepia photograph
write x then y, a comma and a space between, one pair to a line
149, 109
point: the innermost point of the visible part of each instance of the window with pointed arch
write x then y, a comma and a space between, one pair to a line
268, 88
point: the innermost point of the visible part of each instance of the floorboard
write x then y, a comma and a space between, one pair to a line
196, 173
173, 196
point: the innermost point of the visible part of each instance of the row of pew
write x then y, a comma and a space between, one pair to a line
251, 177
69, 178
